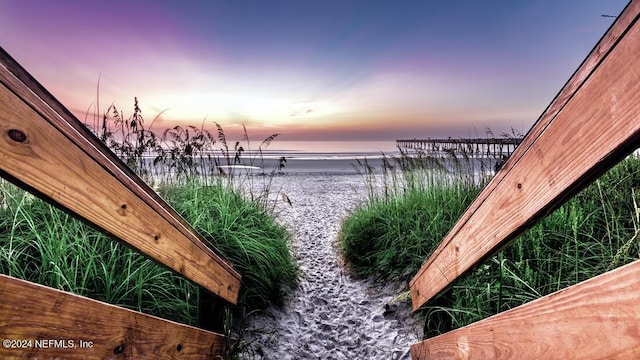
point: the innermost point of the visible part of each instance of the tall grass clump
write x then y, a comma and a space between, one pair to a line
411, 206
182, 153
243, 233
210, 181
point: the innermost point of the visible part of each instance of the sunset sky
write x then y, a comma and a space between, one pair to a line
324, 70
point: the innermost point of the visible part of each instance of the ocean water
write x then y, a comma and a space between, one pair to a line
329, 147
347, 157
329, 157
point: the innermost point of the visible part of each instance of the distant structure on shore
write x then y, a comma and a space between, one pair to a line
478, 147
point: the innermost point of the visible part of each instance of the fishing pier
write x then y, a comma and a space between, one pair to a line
478, 147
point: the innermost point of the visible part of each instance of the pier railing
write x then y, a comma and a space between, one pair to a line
46, 150
592, 124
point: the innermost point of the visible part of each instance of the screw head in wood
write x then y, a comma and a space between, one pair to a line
119, 349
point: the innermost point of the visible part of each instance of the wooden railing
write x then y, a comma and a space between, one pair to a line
592, 124
46, 150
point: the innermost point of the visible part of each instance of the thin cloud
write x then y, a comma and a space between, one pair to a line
301, 112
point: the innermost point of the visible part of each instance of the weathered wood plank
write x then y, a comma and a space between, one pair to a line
592, 124
33, 312
596, 319
45, 149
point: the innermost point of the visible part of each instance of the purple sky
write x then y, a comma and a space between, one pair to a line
310, 69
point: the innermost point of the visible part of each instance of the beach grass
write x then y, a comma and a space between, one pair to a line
208, 180
243, 233
392, 235
412, 202
193, 169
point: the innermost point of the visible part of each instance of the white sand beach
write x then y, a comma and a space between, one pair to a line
331, 315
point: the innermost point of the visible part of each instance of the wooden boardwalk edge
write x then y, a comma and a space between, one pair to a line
591, 125
596, 319
44, 323
44, 148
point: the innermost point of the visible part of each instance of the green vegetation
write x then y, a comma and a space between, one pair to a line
243, 233
392, 235
190, 167
40, 243
411, 206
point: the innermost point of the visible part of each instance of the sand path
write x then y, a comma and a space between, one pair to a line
331, 315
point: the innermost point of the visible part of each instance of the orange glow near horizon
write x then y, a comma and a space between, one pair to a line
245, 107
391, 104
